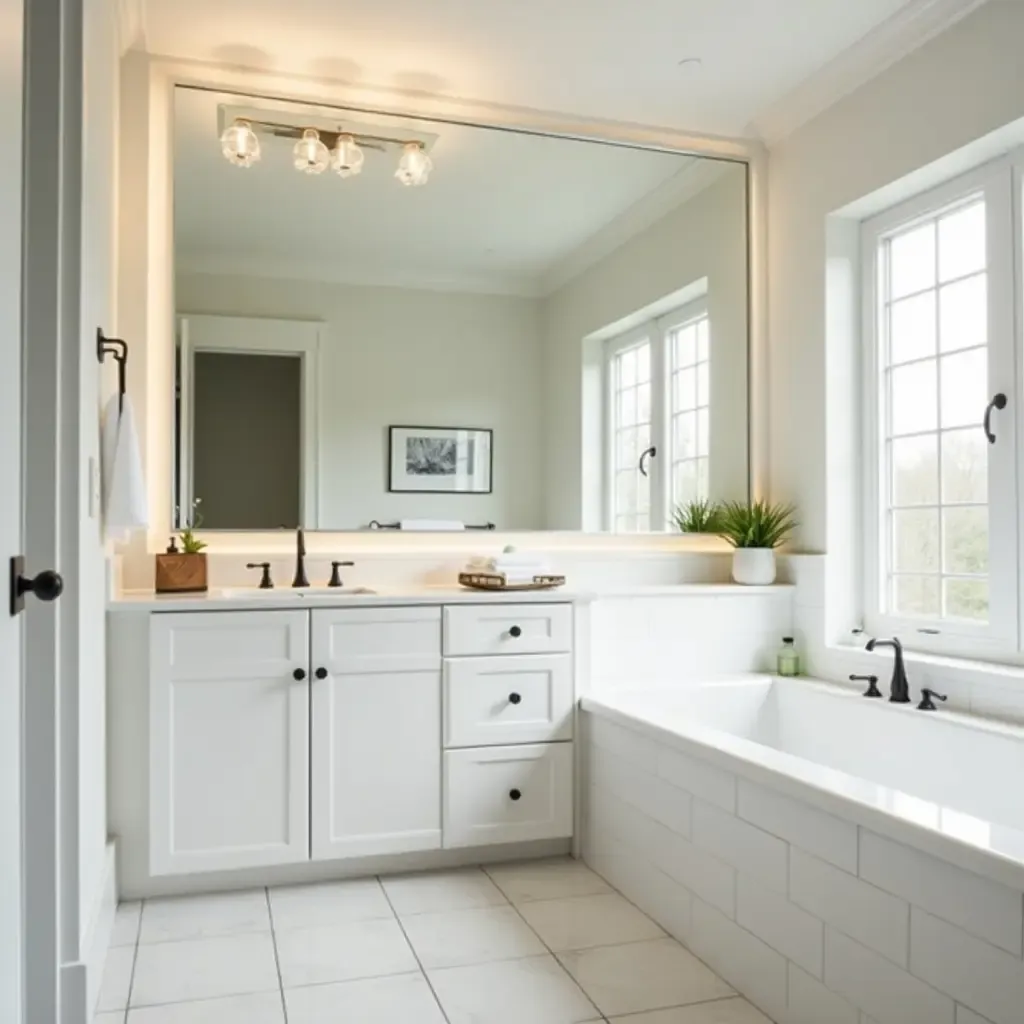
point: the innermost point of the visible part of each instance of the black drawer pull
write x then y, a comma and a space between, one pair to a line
514, 794
514, 698
299, 674
322, 673
515, 631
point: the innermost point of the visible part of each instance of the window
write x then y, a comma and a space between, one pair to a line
941, 499
658, 419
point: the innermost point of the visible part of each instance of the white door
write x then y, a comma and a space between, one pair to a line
376, 731
10, 511
229, 740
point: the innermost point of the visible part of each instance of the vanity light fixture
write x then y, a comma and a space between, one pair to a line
348, 157
311, 155
415, 166
240, 144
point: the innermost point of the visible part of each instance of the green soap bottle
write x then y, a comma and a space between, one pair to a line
788, 659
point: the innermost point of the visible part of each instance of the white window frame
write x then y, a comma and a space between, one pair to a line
999, 183
657, 332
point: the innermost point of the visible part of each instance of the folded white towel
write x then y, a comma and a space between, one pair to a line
519, 572
125, 508
528, 558
433, 525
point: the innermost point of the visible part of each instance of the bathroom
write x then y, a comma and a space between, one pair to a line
519, 514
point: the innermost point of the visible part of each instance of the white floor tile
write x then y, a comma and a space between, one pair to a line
345, 952
643, 976
265, 1008
585, 921
475, 936
175, 972
117, 979
126, 924
547, 880
533, 991
722, 1011
442, 890
305, 906
204, 917
401, 999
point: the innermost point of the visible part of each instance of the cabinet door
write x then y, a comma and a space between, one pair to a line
376, 730
229, 728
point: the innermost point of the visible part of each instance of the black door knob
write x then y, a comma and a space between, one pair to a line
46, 586
321, 673
514, 794
514, 698
515, 631
299, 674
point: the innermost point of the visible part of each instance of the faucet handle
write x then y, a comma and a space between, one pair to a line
926, 700
872, 681
335, 580
266, 583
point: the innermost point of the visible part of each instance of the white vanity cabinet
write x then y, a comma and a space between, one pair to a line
229, 740
376, 726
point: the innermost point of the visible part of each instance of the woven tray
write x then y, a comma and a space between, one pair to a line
496, 581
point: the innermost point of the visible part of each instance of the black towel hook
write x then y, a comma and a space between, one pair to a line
119, 350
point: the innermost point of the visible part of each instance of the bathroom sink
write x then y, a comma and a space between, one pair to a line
277, 593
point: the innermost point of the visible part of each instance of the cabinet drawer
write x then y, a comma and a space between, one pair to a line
520, 699
507, 794
507, 629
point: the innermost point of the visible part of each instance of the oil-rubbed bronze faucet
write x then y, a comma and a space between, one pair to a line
899, 688
301, 580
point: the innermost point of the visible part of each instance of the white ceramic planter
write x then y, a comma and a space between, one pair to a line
754, 567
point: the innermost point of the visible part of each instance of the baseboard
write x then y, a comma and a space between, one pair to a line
95, 943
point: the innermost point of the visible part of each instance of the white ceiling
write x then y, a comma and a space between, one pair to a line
502, 211
614, 60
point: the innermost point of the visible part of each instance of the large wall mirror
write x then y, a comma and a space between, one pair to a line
390, 320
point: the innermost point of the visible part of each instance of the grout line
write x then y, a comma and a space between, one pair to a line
277, 959
135, 960
412, 949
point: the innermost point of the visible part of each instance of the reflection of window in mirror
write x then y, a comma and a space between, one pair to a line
657, 419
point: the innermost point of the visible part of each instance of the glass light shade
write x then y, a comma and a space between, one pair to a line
311, 155
240, 144
415, 166
348, 157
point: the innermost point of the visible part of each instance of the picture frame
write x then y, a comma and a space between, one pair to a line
440, 460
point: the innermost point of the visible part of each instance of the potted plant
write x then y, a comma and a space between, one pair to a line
183, 571
755, 529
697, 516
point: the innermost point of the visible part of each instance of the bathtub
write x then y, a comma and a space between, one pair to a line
828, 854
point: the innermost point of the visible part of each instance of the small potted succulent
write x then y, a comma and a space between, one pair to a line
183, 570
755, 529
697, 516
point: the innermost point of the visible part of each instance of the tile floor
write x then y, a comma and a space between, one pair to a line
535, 943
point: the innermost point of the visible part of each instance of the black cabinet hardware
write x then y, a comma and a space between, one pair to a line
299, 674
514, 794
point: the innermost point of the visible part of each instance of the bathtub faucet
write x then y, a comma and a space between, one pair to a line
899, 688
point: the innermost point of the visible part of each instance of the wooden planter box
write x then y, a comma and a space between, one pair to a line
181, 573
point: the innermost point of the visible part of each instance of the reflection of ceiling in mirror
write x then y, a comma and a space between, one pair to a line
502, 211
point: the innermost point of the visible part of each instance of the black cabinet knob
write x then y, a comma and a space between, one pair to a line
299, 674
515, 631
514, 794
321, 673
514, 698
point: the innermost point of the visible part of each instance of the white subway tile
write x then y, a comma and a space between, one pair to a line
825, 836
703, 780
982, 907
879, 987
751, 967
875, 918
637, 749
702, 873
786, 928
739, 843
811, 1003
663, 899
974, 973
965, 1016
645, 791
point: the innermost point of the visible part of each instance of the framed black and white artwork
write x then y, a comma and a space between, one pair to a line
439, 460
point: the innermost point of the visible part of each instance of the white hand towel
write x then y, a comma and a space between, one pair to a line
526, 558
433, 525
125, 508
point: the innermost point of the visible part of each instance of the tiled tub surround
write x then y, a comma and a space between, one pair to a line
735, 815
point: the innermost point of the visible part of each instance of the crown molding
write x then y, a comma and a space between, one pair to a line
907, 30
688, 182
131, 24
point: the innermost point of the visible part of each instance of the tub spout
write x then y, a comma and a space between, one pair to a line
899, 688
